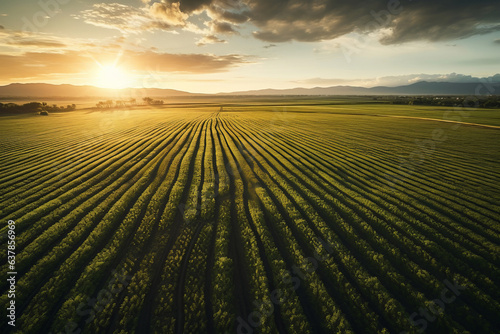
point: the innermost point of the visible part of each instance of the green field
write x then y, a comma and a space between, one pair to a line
254, 217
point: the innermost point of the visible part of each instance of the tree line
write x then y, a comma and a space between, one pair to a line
126, 103
447, 101
33, 107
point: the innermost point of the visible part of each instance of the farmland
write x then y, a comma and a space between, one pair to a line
254, 217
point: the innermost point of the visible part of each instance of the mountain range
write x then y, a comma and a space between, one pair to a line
419, 88
38, 90
53, 91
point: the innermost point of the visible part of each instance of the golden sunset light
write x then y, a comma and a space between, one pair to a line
112, 76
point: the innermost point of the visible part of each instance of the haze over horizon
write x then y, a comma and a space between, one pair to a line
212, 46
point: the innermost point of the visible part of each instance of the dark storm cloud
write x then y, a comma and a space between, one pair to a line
315, 20
234, 17
497, 41
445, 20
221, 27
188, 6
404, 20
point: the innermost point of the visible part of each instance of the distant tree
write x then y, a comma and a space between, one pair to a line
147, 100
33, 107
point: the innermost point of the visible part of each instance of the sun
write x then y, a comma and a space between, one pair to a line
111, 76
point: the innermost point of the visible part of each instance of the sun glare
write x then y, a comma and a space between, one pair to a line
110, 76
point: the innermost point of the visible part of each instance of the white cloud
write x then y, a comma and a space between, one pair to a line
128, 19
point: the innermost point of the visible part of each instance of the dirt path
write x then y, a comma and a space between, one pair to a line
439, 120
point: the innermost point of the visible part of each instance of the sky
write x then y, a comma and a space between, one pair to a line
210, 46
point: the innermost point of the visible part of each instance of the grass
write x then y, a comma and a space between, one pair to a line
212, 213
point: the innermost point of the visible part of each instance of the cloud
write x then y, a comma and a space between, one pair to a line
399, 80
2, 27
219, 27
209, 39
269, 46
182, 63
38, 43
316, 20
394, 21
234, 13
32, 65
169, 13
128, 19
420, 20
233, 17
24, 40
444, 20
189, 6
497, 41
162, 15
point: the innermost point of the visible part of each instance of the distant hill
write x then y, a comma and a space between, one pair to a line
39, 90
419, 88
48, 90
